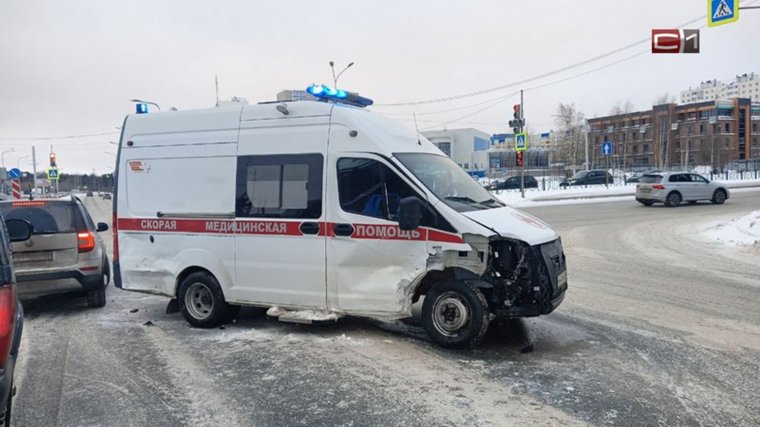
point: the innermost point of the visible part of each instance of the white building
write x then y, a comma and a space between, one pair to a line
467, 147
744, 86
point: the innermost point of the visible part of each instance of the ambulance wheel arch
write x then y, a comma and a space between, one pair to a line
195, 260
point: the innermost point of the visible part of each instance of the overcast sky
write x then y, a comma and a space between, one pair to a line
70, 67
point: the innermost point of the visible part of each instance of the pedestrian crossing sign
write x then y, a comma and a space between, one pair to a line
721, 12
52, 173
521, 141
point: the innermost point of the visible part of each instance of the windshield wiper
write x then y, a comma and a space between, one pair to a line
465, 199
491, 202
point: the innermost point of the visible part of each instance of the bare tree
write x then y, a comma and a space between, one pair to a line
664, 99
570, 135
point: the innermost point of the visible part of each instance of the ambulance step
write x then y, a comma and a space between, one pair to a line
303, 316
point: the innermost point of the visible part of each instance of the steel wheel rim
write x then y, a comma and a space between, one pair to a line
720, 197
674, 199
451, 313
198, 301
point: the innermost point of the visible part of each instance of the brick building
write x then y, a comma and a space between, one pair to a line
711, 133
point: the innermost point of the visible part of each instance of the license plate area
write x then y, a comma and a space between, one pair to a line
562, 281
27, 257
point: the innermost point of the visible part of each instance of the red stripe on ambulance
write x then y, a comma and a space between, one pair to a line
281, 228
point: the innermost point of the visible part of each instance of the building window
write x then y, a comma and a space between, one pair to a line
280, 186
445, 147
728, 127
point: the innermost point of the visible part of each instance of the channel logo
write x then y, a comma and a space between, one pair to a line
675, 41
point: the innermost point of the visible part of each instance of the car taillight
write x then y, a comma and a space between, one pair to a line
658, 187
86, 241
7, 321
115, 228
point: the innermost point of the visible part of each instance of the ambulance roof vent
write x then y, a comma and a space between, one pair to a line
326, 93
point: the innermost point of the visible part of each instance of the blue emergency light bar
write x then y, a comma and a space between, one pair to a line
141, 108
326, 93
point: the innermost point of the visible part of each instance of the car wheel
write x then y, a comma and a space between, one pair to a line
97, 298
719, 197
201, 301
6, 418
455, 314
673, 199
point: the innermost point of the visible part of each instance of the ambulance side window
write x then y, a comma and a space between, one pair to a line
279, 186
368, 187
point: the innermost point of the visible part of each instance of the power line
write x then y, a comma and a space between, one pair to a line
48, 138
538, 77
541, 86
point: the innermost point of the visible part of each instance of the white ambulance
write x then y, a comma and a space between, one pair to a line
319, 209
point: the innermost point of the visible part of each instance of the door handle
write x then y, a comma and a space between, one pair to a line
343, 229
309, 227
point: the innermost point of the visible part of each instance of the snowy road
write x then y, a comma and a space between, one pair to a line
657, 328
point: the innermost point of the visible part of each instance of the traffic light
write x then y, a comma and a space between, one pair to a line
52, 160
518, 121
519, 158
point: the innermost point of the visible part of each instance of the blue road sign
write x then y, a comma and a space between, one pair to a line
14, 173
722, 12
607, 148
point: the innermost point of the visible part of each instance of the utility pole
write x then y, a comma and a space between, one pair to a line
521, 140
586, 129
522, 129
34, 169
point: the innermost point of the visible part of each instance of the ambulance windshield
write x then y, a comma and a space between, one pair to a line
450, 183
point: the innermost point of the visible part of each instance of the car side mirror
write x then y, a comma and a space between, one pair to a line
102, 226
19, 230
409, 213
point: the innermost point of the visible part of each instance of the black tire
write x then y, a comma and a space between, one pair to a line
201, 301
445, 303
719, 196
5, 421
673, 199
97, 298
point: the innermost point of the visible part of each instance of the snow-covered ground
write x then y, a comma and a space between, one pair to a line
744, 231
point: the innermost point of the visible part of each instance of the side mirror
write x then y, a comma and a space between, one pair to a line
409, 213
102, 226
19, 230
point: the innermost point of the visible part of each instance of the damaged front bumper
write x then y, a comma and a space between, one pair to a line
525, 280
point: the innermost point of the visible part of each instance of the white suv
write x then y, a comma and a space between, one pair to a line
672, 188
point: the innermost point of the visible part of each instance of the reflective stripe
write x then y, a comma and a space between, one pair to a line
280, 228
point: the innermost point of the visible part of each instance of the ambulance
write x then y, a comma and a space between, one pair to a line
321, 209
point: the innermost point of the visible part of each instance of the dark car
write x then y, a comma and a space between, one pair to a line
65, 253
11, 312
513, 183
592, 177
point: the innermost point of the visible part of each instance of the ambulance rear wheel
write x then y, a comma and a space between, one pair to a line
201, 301
455, 314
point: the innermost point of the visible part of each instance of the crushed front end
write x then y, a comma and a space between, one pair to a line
526, 280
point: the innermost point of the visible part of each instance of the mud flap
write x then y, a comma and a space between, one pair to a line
173, 306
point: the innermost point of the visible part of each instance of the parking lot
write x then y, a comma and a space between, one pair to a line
657, 328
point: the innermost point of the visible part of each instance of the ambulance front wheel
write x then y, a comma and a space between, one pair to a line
455, 314
201, 301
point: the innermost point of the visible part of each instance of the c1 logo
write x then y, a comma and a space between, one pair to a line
675, 41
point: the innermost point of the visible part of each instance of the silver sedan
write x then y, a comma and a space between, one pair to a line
673, 188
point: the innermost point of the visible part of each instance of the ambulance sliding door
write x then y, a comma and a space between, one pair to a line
279, 212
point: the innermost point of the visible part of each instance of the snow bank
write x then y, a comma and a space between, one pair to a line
744, 231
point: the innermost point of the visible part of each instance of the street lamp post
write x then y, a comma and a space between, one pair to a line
335, 78
2, 156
